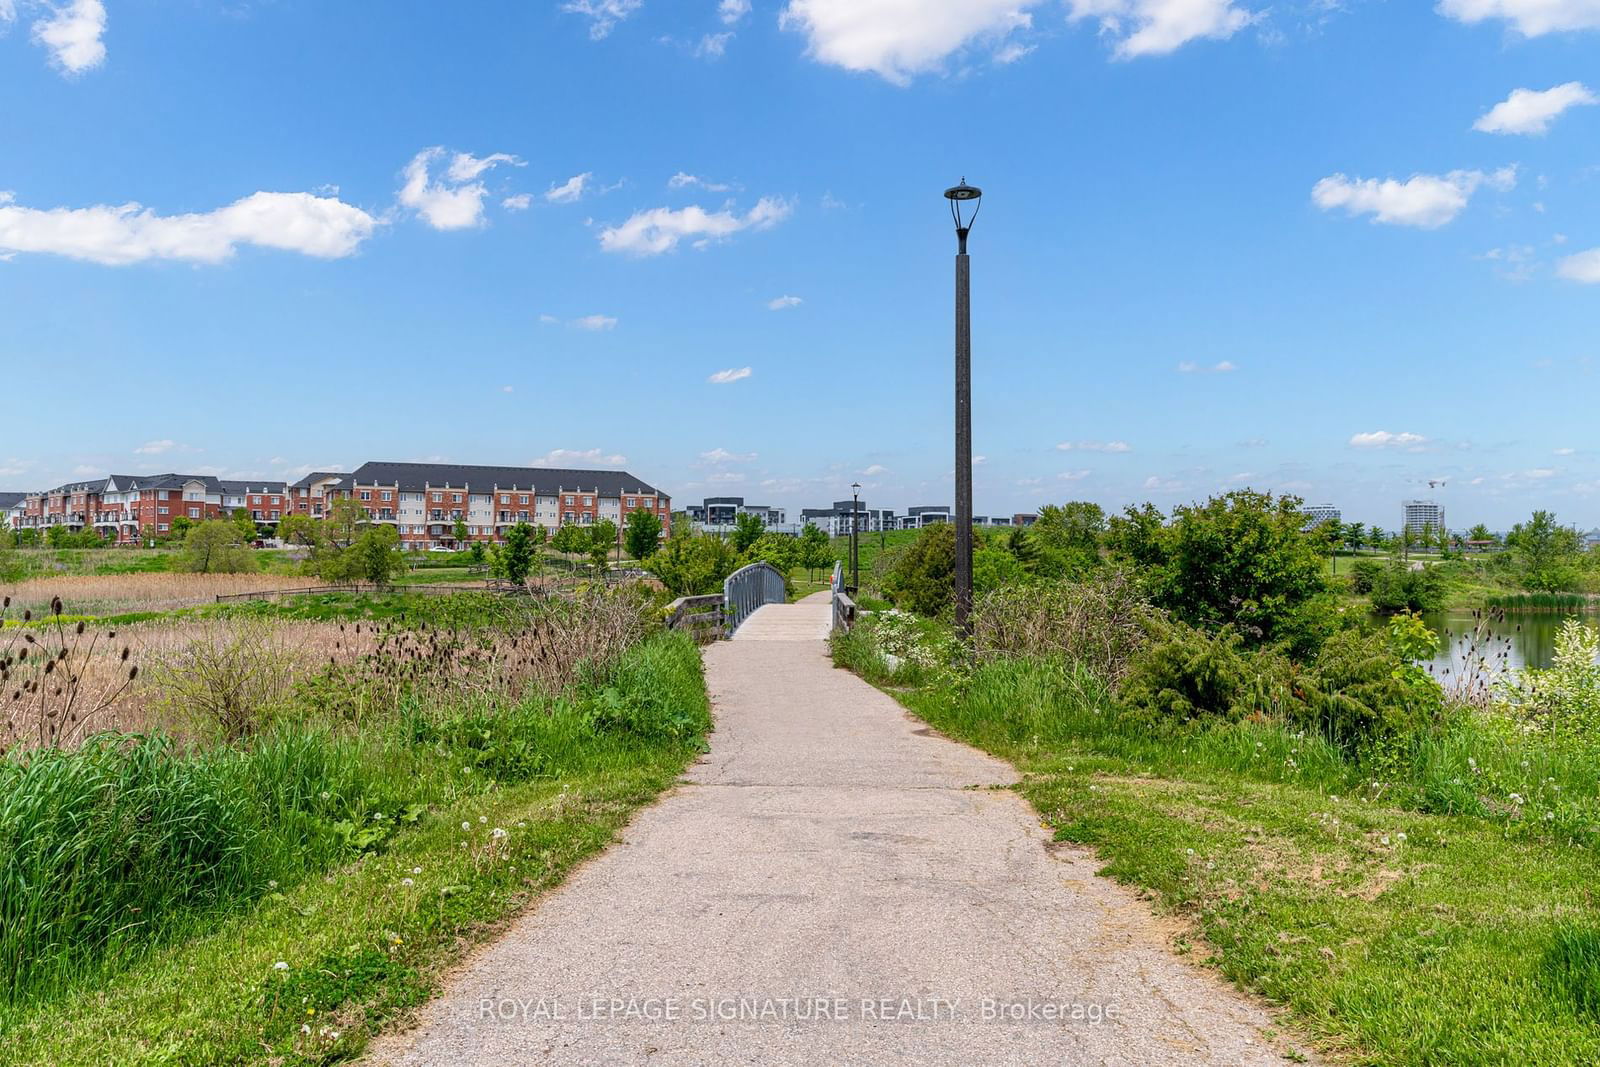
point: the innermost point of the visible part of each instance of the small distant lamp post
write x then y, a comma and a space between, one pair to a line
855, 541
961, 196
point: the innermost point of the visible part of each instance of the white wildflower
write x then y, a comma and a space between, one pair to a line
280, 966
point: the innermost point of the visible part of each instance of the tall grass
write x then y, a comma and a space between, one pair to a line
1562, 603
133, 839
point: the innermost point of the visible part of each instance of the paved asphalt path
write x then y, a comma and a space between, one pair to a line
832, 884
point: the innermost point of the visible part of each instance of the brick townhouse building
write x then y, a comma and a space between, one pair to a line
424, 501
123, 506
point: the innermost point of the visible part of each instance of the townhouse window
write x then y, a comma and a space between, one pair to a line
275, 516
276, 501
522, 500
438, 498
455, 498
630, 502
386, 496
194, 513
569, 501
588, 501
522, 516
161, 511
366, 494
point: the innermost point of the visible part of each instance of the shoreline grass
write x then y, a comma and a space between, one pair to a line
1395, 925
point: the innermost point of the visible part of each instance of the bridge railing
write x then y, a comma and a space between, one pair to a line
844, 609
748, 589
700, 616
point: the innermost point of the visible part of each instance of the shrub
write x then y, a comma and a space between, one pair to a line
1238, 560
921, 577
1563, 699
1100, 623
1188, 674
1398, 587
216, 547
231, 679
693, 564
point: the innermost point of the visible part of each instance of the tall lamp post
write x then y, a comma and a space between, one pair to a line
855, 542
961, 196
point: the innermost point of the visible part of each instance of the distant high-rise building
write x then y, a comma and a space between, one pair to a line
1317, 514
1421, 514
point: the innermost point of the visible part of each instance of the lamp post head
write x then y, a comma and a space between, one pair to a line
959, 196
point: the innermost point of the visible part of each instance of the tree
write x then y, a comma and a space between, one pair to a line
1480, 532
602, 539
461, 532
1068, 538
922, 576
643, 534
376, 555
296, 529
570, 539
1238, 560
345, 519
179, 529
815, 551
516, 555
780, 550
478, 553
693, 564
1355, 535
1022, 548
216, 547
747, 528
1546, 553
247, 525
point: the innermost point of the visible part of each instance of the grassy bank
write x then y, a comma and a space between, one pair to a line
1431, 903
278, 900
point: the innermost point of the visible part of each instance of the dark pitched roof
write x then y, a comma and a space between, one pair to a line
10, 500
317, 476
252, 487
415, 476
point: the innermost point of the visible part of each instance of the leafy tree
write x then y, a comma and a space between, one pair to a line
1480, 532
247, 525
1068, 538
922, 576
516, 556
693, 564
643, 534
478, 552
215, 547
461, 532
345, 519
780, 550
747, 529
602, 539
297, 529
375, 556
1237, 560
179, 530
1355, 535
1546, 552
570, 539
815, 551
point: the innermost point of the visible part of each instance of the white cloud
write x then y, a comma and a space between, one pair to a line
595, 322
874, 470
1073, 476
603, 15
650, 233
725, 377
731, 11
1424, 200
155, 448
1532, 111
719, 456
1539, 473
455, 200
712, 45
1163, 485
129, 233
570, 190
549, 320
1012, 51
1094, 446
520, 202
681, 180
562, 457
1411, 442
1531, 17
8, 11
1224, 367
508, 388
72, 35
897, 39
1581, 267
1566, 451
782, 302
1157, 27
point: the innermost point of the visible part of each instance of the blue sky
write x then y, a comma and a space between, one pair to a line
1334, 248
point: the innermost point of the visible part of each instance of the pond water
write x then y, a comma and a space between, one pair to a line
1512, 640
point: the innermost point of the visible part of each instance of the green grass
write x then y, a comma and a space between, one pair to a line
1391, 931
228, 864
